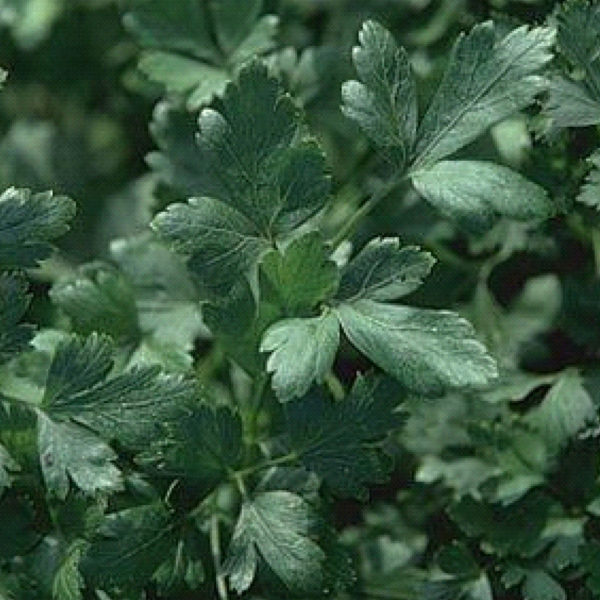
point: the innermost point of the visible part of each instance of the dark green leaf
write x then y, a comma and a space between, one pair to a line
128, 547
302, 351
384, 102
277, 527
488, 78
383, 270
337, 439
428, 351
7, 464
590, 191
475, 193
28, 222
539, 585
14, 301
570, 104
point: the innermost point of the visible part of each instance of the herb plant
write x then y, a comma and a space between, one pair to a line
339, 335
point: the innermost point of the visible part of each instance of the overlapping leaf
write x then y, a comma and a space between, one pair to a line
194, 47
340, 441
14, 301
258, 181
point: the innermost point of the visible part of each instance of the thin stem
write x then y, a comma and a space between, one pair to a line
364, 209
335, 386
271, 462
215, 548
256, 402
596, 247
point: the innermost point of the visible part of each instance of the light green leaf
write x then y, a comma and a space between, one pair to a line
128, 547
277, 527
578, 40
300, 277
590, 191
487, 79
570, 104
428, 351
566, 410
341, 441
383, 270
68, 450
68, 582
14, 301
384, 102
28, 221
539, 585
202, 446
302, 351
476, 193
98, 298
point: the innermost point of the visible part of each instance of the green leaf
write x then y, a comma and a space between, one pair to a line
475, 193
590, 558
203, 446
341, 441
258, 182
220, 242
7, 464
384, 102
14, 301
487, 79
428, 351
128, 547
590, 191
29, 221
78, 364
570, 104
300, 277
456, 559
302, 351
383, 270
129, 407
68, 450
68, 582
578, 40
566, 410
539, 585
277, 527
195, 45
98, 298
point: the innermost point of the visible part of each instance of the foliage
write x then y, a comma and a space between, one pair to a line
325, 321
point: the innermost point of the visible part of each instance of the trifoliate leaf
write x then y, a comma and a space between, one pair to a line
202, 446
14, 301
487, 79
194, 47
539, 585
68, 451
578, 40
128, 547
29, 221
277, 527
475, 193
566, 410
590, 191
68, 582
258, 177
98, 298
300, 277
340, 441
302, 351
428, 351
384, 102
129, 407
383, 270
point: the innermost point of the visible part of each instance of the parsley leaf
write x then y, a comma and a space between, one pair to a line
277, 527
488, 78
426, 350
341, 441
28, 222
385, 103
14, 301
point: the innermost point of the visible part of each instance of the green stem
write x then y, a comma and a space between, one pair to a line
256, 402
364, 209
215, 547
335, 386
596, 247
271, 462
